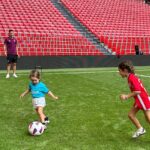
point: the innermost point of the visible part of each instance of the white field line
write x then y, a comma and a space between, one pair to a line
83, 72
61, 72
141, 75
89, 72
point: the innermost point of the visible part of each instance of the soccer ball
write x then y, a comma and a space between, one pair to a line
36, 128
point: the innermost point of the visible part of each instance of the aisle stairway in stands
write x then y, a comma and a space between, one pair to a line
80, 27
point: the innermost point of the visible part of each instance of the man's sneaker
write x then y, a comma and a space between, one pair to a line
46, 120
7, 76
15, 76
139, 132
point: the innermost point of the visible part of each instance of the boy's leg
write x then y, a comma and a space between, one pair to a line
132, 116
41, 114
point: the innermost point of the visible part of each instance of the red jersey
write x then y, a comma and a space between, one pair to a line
142, 99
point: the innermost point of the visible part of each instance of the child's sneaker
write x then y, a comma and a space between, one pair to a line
46, 120
44, 125
139, 132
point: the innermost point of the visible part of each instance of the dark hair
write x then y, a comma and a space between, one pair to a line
35, 73
10, 30
127, 65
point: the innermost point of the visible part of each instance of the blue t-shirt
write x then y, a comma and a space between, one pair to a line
38, 90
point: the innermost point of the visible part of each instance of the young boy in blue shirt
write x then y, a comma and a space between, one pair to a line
38, 91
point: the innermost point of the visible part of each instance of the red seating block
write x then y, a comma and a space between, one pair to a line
41, 29
123, 23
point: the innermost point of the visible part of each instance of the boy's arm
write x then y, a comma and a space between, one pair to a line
127, 96
24, 93
52, 95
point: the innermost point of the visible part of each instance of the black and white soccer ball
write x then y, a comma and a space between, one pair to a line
36, 128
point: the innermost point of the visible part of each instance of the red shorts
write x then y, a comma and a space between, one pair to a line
143, 104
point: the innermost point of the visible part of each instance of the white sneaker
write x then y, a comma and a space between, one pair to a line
7, 76
139, 132
47, 122
15, 76
45, 127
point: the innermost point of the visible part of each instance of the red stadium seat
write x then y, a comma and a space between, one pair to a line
125, 22
41, 29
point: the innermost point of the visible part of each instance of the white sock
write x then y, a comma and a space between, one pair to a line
140, 129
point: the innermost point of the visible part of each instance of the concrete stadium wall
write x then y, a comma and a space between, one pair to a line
50, 62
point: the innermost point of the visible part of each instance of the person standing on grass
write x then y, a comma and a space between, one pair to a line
38, 91
11, 51
139, 93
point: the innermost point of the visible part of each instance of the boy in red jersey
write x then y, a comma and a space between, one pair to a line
139, 93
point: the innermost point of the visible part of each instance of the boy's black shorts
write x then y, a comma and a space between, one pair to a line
12, 59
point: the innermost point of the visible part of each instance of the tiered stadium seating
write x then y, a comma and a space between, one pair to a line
120, 24
41, 29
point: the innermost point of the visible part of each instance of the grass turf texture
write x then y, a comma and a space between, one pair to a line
87, 116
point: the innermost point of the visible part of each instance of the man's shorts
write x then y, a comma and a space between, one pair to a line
38, 102
12, 59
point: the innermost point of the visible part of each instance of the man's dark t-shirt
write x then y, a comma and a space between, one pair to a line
11, 44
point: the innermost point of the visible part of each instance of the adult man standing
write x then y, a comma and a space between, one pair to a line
11, 51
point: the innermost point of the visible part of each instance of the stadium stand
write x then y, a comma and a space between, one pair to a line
119, 24
41, 30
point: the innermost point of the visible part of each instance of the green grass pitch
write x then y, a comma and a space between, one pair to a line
87, 116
